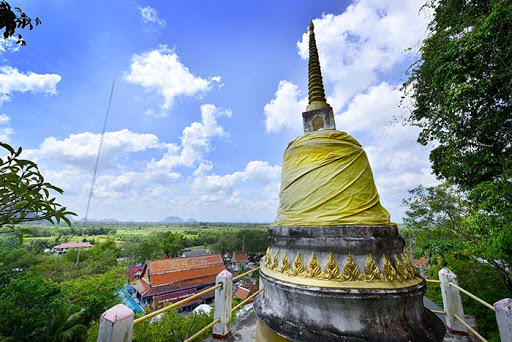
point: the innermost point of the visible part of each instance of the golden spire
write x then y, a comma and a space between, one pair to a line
316, 93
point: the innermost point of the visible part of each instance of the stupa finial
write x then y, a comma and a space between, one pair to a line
316, 93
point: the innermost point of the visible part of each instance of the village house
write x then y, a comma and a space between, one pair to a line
238, 260
64, 247
171, 280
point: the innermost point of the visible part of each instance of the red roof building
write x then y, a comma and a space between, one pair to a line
242, 293
69, 245
239, 258
162, 281
134, 272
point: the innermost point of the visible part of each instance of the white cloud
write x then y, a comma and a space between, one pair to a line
125, 180
9, 45
80, 150
5, 132
4, 119
160, 70
11, 80
150, 15
236, 187
285, 109
195, 140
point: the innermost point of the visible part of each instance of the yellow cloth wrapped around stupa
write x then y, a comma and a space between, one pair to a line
327, 180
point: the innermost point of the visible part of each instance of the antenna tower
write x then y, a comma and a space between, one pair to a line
99, 153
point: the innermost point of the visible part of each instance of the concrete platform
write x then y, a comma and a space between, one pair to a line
244, 328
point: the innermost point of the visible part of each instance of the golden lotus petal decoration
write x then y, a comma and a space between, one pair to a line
389, 270
408, 263
285, 263
404, 272
372, 271
314, 269
350, 270
298, 266
275, 263
331, 269
268, 258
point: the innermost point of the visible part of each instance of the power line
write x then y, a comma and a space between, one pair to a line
99, 152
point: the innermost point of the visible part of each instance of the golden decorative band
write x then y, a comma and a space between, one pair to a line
402, 274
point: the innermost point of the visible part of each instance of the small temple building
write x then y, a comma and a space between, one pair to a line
171, 280
335, 269
238, 259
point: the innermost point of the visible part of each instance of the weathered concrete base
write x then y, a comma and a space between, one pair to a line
355, 311
301, 313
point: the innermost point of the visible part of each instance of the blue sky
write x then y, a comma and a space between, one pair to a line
208, 94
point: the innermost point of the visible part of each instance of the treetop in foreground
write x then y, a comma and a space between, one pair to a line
24, 194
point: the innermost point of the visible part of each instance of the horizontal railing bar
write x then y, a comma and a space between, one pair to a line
439, 312
202, 331
473, 331
246, 300
172, 306
246, 273
481, 301
433, 281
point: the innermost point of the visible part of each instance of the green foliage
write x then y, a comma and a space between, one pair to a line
444, 220
97, 260
462, 90
24, 195
481, 280
11, 20
172, 327
82, 291
27, 305
94, 293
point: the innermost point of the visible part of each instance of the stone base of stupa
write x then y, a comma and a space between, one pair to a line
342, 283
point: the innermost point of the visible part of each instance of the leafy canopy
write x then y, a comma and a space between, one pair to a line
462, 90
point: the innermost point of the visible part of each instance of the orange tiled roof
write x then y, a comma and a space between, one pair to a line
179, 264
180, 273
141, 286
177, 276
240, 257
186, 284
242, 292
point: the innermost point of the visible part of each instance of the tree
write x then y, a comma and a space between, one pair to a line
445, 221
95, 293
11, 20
27, 305
462, 90
24, 194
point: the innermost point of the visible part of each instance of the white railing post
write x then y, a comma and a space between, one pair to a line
116, 324
451, 301
223, 302
504, 317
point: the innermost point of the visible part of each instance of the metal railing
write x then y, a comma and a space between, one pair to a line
175, 305
117, 323
453, 309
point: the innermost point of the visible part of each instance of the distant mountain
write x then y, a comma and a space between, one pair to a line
172, 219
191, 220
